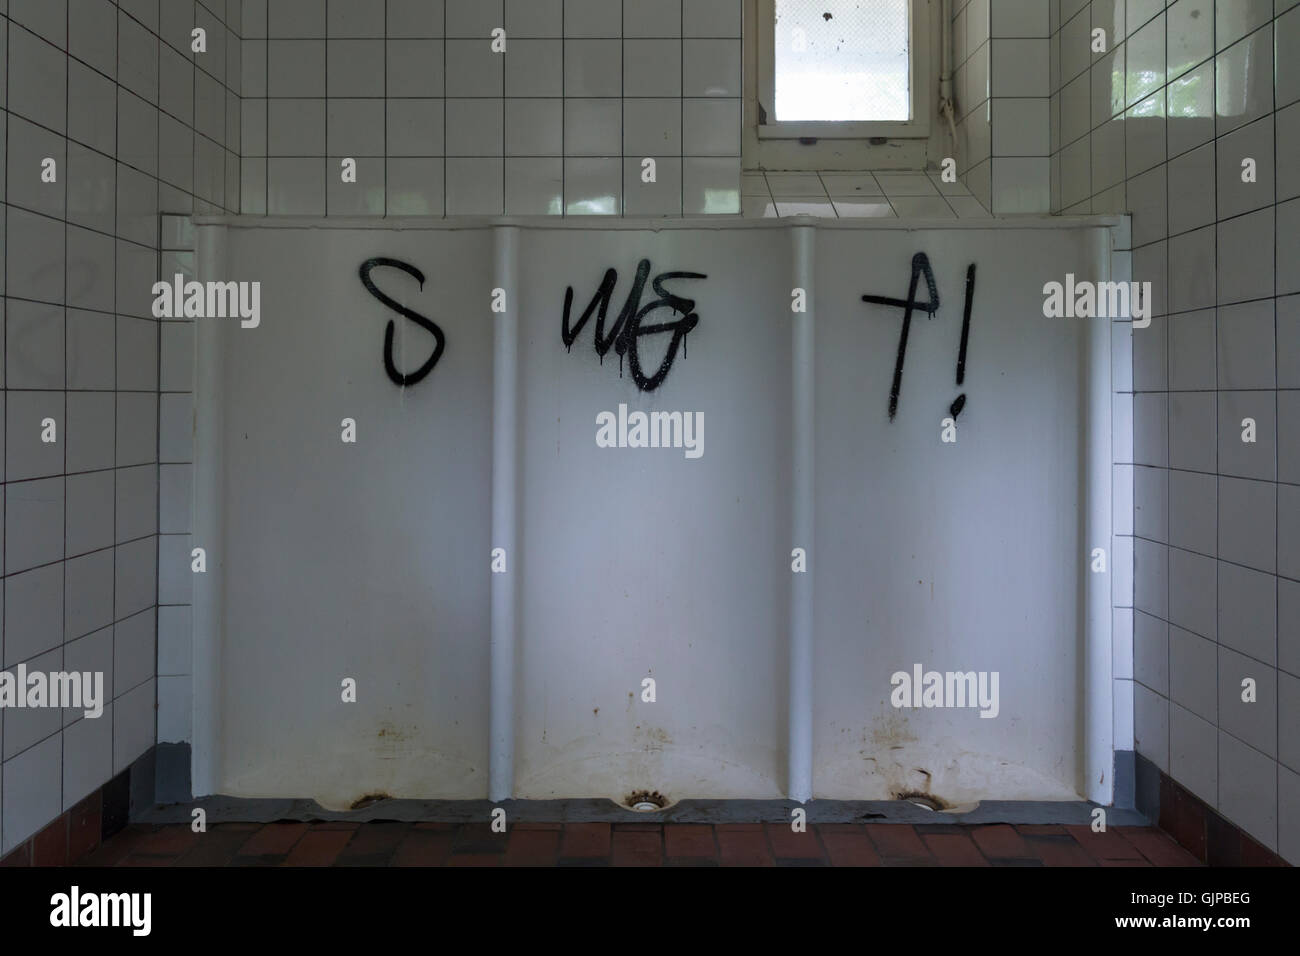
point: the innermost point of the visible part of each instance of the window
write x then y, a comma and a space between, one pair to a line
843, 69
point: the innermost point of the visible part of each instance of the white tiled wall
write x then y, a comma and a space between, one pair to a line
440, 124
1001, 80
862, 195
136, 124
1160, 124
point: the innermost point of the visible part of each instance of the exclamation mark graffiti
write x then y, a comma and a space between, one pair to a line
960, 401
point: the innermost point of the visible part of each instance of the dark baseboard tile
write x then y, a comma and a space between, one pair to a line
1197, 826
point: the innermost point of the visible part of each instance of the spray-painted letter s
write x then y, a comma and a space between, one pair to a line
423, 322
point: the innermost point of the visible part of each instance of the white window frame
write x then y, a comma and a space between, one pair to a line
919, 87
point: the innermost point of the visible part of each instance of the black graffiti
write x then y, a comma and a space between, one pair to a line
627, 329
427, 324
921, 267
959, 402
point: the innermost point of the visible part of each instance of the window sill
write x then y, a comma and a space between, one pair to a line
862, 131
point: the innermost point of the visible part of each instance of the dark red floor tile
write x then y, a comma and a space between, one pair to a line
150, 859
789, 845
1157, 846
217, 847
1000, 842
274, 839
471, 838
474, 859
170, 840
849, 847
318, 847
743, 845
1058, 850
954, 849
1106, 845
898, 844
373, 844
1040, 829
585, 841
636, 848
689, 840
532, 847
423, 848
118, 847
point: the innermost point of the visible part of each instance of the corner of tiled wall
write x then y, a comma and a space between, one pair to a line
1122, 540
137, 123
1002, 82
175, 481
1161, 123
971, 51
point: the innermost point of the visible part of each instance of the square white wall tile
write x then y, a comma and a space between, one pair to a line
475, 187
1248, 789
1194, 674
133, 725
1193, 753
175, 640
534, 186
593, 187
1122, 713
1192, 592
1151, 726
30, 794
175, 709
1247, 612
1288, 798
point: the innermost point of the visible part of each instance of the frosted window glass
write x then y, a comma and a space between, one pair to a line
842, 60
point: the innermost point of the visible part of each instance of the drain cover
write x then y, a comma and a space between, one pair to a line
922, 800
645, 801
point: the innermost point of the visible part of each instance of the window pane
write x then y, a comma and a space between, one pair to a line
842, 60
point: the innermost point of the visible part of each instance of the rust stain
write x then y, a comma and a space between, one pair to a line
652, 738
890, 730
368, 800
391, 732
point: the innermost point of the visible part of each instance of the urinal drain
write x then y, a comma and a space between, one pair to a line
923, 800
645, 801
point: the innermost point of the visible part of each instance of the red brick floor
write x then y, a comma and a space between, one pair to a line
387, 843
